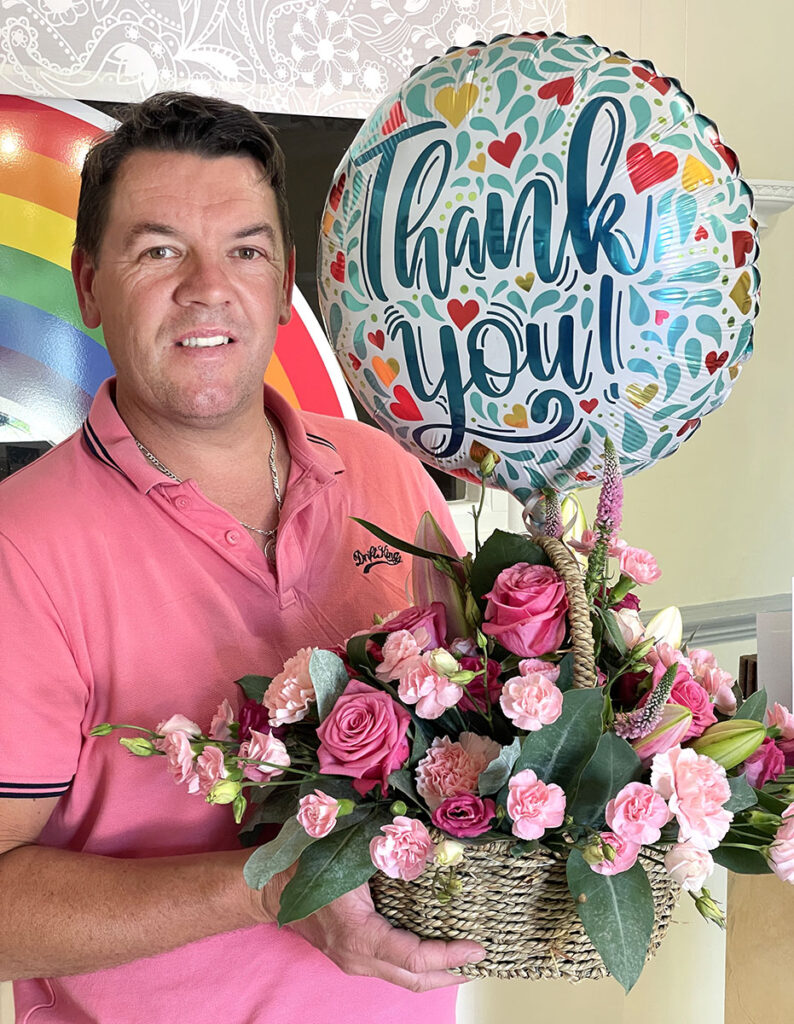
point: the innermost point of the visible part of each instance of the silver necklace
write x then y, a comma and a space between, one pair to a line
269, 535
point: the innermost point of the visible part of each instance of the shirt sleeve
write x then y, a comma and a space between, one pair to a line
43, 694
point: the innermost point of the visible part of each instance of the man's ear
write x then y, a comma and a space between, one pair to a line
83, 275
288, 284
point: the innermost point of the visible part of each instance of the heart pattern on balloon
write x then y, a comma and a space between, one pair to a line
454, 104
404, 407
503, 152
647, 169
462, 313
639, 397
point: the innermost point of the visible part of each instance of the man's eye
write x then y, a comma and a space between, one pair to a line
246, 252
160, 252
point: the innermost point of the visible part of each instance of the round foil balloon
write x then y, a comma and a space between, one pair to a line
534, 244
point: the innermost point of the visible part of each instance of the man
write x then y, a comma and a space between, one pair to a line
189, 534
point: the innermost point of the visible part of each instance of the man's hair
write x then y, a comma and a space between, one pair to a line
176, 122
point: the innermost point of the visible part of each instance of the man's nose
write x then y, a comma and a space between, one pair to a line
203, 279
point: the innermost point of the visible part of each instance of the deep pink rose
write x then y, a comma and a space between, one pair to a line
433, 619
464, 815
765, 765
687, 693
364, 737
473, 697
625, 857
526, 610
253, 715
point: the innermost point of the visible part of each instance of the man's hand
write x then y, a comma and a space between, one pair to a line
350, 932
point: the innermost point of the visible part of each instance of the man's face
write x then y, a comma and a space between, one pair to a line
190, 285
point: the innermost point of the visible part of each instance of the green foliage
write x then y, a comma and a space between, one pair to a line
613, 766
742, 794
254, 686
738, 859
497, 553
499, 770
277, 855
329, 678
404, 545
754, 707
558, 752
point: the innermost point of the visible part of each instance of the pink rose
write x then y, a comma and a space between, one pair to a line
452, 767
695, 788
630, 626
534, 806
364, 737
639, 565
291, 692
263, 746
781, 852
473, 696
464, 815
404, 850
253, 715
433, 619
626, 854
765, 765
637, 813
317, 813
690, 865
526, 610
179, 753
531, 701
219, 727
210, 768
400, 652
432, 693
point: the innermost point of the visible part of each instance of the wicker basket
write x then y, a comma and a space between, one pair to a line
520, 908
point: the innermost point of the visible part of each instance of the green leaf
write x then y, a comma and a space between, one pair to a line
617, 913
402, 780
754, 707
742, 794
613, 766
420, 745
329, 678
330, 867
558, 752
254, 686
499, 551
613, 631
403, 545
770, 802
739, 860
277, 855
498, 771
565, 678
357, 651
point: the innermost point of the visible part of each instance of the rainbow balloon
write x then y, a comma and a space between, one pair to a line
50, 363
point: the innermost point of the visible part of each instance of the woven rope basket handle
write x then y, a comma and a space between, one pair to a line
584, 668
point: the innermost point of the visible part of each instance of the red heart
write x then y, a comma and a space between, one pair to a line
701, 233
504, 152
661, 316
378, 338
394, 120
462, 313
584, 477
645, 169
561, 88
354, 360
743, 245
715, 360
338, 267
726, 153
661, 85
336, 192
589, 405
405, 407
689, 425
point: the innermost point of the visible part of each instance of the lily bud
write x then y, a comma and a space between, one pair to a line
709, 908
729, 743
669, 730
449, 853
225, 791
444, 663
138, 745
430, 584
666, 627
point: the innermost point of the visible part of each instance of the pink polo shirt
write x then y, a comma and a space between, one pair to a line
128, 597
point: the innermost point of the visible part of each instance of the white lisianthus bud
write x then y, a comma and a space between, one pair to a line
442, 662
666, 627
449, 853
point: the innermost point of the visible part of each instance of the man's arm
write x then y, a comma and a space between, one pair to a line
73, 913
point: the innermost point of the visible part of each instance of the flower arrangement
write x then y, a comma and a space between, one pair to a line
467, 720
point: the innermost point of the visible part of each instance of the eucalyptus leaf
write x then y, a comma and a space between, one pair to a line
498, 771
613, 631
565, 678
558, 752
499, 551
332, 866
742, 795
740, 860
402, 780
404, 545
613, 766
277, 855
254, 686
754, 707
617, 913
329, 678
769, 802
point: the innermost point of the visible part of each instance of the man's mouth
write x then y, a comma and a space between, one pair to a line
211, 342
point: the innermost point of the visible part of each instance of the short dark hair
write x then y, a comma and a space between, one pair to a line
178, 122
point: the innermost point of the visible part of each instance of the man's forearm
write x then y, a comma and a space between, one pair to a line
72, 913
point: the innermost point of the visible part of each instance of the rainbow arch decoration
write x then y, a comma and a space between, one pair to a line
51, 364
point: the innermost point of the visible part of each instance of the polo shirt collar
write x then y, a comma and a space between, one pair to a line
313, 457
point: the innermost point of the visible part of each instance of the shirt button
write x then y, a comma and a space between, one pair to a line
182, 503
232, 536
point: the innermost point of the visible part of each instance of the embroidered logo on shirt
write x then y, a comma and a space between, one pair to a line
376, 554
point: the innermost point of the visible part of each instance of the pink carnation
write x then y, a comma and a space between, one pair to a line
690, 865
179, 753
464, 815
526, 610
451, 767
781, 852
219, 727
210, 768
695, 788
432, 693
404, 850
765, 764
291, 692
264, 747
317, 813
400, 652
639, 565
637, 813
531, 701
533, 805
626, 854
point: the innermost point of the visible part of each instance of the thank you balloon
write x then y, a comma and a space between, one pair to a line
531, 245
